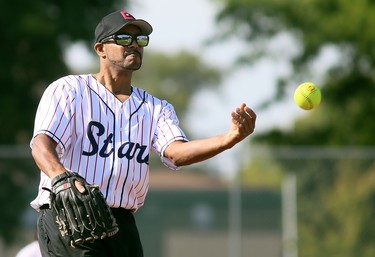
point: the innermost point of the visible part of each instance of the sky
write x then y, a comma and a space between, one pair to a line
185, 25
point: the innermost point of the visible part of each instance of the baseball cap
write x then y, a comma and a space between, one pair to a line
113, 22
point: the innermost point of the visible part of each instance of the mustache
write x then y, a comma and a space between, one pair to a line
130, 52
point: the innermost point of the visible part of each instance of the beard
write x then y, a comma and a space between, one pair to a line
136, 60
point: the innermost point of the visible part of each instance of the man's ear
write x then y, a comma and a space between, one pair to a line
99, 49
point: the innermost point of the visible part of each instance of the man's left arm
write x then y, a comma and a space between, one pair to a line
183, 153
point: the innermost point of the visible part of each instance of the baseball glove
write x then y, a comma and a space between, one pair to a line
81, 217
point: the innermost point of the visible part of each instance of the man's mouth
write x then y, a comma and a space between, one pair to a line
135, 53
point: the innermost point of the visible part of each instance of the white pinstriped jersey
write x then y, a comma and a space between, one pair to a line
106, 141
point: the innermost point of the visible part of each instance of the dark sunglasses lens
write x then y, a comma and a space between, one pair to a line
142, 40
124, 40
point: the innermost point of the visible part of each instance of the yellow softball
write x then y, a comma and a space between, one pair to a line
307, 96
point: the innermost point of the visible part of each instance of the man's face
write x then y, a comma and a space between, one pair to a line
125, 57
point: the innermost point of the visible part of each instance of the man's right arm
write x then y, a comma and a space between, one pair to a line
45, 155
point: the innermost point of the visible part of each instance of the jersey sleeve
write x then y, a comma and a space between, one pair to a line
167, 132
54, 114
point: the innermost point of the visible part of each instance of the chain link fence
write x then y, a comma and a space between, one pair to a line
238, 218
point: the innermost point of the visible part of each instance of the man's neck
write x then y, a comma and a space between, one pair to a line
118, 84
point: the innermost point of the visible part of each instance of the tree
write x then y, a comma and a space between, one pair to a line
176, 77
33, 44
340, 227
34, 36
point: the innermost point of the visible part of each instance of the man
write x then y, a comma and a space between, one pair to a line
102, 127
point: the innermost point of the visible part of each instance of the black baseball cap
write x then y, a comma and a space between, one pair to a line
115, 21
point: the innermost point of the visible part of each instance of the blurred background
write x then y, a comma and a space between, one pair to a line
302, 185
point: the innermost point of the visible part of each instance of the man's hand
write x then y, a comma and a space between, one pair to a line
80, 216
77, 184
243, 123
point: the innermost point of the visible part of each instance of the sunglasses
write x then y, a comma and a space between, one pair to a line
127, 40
